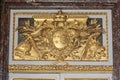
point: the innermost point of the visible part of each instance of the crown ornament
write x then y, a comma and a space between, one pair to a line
60, 17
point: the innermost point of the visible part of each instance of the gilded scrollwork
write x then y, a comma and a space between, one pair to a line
61, 68
61, 38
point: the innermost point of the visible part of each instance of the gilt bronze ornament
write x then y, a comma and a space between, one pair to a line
61, 38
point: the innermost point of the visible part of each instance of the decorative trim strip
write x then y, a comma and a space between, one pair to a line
60, 68
32, 79
86, 79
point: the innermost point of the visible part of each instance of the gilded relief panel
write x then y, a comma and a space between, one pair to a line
60, 37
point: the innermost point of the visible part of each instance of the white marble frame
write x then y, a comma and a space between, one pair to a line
110, 58
32, 75
60, 76
86, 75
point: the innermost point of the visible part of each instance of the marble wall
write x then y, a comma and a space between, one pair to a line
0, 43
